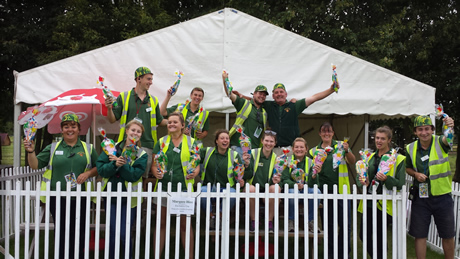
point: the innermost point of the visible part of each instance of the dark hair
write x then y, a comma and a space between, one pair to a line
181, 118
199, 89
326, 125
71, 123
217, 134
269, 132
385, 129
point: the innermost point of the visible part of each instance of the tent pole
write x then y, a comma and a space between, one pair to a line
366, 131
17, 137
227, 121
93, 127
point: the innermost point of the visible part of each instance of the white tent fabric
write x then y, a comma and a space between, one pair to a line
252, 51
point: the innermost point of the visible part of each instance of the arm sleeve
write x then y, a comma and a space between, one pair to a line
94, 157
44, 157
286, 178
398, 179
311, 181
238, 104
249, 171
119, 108
409, 163
134, 173
206, 124
300, 106
158, 115
171, 109
105, 168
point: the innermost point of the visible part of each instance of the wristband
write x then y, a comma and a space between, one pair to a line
31, 152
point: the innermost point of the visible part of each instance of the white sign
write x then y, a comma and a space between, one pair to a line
182, 205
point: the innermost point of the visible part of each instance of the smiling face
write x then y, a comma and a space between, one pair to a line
134, 132
326, 133
299, 149
223, 141
268, 143
174, 124
259, 97
196, 96
424, 133
382, 141
279, 95
70, 131
144, 82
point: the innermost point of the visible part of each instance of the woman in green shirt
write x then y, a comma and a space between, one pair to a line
261, 168
177, 147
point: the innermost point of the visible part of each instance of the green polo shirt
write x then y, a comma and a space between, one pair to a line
263, 171
328, 175
216, 169
255, 120
66, 160
139, 108
190, 113
284, 120
174, 173
422, 166
286, 177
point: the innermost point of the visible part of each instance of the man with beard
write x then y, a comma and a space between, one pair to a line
249, 115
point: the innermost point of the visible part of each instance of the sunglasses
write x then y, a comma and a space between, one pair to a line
270, 132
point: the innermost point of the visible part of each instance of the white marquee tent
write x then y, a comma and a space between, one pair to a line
253, 52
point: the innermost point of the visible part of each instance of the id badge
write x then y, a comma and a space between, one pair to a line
176, 150
148, 109
70, 178
257, 132
423, 190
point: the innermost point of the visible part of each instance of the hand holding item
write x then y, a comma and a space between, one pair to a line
109, 97
108, 145
447, 125
335, 81
120, 161
29, 145
245, 141
319, 158
281, 162
174, 88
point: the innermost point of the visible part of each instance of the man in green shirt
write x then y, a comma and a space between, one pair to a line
283, 115
189, 110
140, 105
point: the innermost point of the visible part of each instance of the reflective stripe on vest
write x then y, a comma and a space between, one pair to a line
399, 159
256, 155
124, 116
46, 177
308, 164
342, 174
134, 186
187, 143
231, 158
201, 119
243, 114
439, 166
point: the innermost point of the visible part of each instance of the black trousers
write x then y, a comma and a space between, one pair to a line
371, 229
72, 223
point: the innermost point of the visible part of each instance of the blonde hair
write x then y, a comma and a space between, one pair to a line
299, 139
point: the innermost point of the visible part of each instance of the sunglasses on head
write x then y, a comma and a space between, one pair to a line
270, 132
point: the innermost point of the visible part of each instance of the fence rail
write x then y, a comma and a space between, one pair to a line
24, 218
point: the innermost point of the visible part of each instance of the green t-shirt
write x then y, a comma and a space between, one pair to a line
216, 169
284, 120
174, 173
251, 124
190, 113
141, 109
286, 177
422, 166
263, 171
66, 160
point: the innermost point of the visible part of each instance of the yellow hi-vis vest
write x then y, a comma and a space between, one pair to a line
201, 118
440, 174
343, 171
185, 151
243, 114
140, 152
124, 116
231, 158
399, 159
49, 169
256, 155
308, 164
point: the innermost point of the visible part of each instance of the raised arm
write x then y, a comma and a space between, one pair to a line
165, 102
319, 96
224, 78
110, 114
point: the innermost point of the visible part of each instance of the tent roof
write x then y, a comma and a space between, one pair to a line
252, 51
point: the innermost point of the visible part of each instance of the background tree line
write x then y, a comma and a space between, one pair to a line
417, 38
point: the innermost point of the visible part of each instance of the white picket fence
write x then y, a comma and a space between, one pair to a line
22, 217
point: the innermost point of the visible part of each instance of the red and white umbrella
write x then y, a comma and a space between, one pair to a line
87, 104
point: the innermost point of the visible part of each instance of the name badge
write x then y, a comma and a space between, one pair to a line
261, 164
424, 158
59, 152
176, 150
148, 109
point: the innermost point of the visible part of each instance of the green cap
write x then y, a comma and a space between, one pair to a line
70, 117
261, 88
279, 85
142, 71
423, 120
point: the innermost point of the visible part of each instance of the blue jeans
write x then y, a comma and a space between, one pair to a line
213, 189
113, 217
310, 204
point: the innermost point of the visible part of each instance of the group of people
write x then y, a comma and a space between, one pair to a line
271, 126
